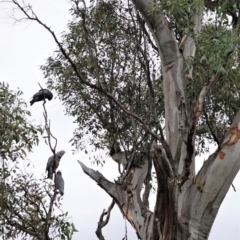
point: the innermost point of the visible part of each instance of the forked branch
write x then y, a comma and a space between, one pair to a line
103, 222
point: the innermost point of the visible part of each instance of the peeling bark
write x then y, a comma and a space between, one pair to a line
206, 193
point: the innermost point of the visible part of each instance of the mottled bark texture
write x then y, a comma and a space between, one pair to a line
186, 203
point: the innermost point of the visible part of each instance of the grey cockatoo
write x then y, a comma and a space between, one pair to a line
59, 182
51, 165
122, 158
41, 95
118, 156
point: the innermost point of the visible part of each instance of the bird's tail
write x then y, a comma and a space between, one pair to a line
32, 102
50, 175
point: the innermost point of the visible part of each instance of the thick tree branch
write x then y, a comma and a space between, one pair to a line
128, 198
147, 34
192, 128
174, 80
108, 186
165, 214
198, 109
147, 183
209, 188
161, 163
158, 26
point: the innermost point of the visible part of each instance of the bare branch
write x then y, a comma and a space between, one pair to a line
102, 223
108, 186
47, 126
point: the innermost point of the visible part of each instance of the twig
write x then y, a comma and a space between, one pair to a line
234, 189
47, 126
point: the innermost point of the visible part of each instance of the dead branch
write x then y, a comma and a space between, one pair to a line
102, 223
108, 186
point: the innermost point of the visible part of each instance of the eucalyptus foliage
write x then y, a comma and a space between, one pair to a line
112, 52
111, 46
17, 134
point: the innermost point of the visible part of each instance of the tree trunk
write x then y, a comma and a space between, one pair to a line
186, 204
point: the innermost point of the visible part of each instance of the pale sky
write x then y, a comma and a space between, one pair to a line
23, 48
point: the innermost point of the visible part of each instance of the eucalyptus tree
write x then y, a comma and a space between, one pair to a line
161, 79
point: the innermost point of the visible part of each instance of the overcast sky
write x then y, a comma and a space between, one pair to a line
23, 48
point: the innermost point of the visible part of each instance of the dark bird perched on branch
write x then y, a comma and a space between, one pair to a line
59, 182
41, 95
53, 165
